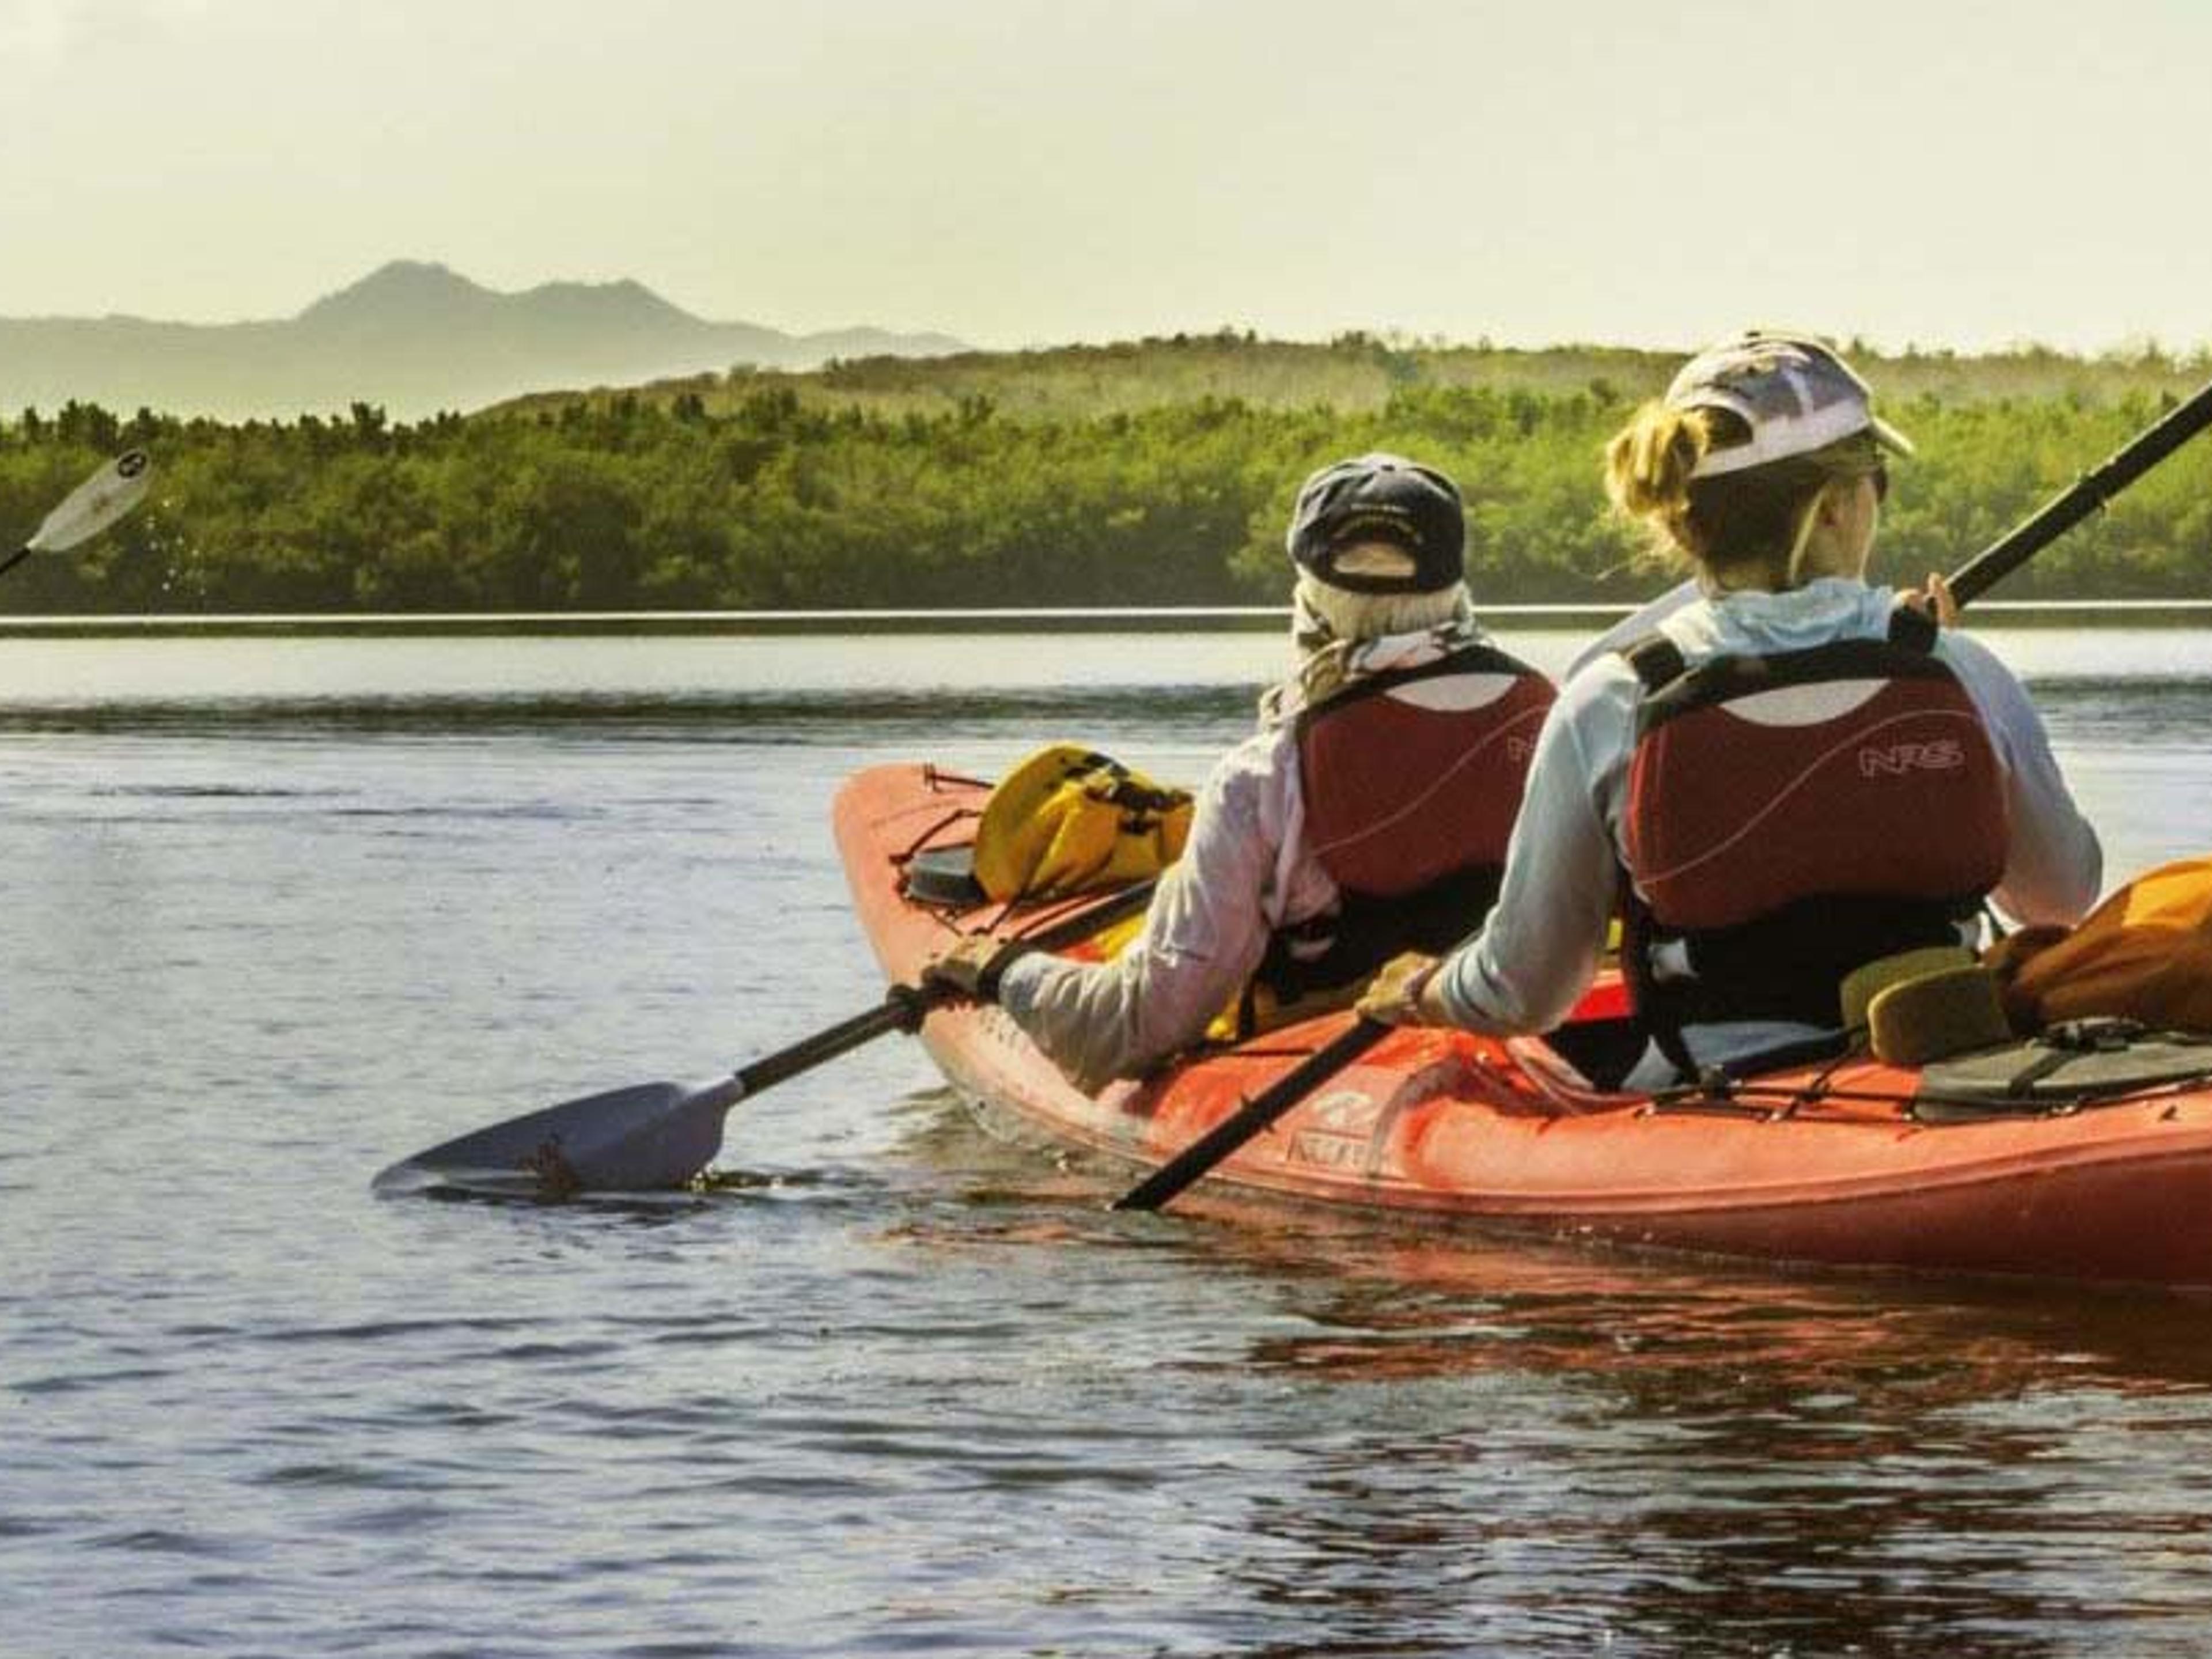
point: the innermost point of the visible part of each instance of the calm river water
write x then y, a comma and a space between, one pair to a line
278, 911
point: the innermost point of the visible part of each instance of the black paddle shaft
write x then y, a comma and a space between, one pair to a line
903, 1005
1255, 1115
2088, 493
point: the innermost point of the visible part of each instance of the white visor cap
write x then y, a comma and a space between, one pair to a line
1794, 392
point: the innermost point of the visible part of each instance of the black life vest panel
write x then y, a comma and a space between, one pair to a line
1790, 818
1411, 782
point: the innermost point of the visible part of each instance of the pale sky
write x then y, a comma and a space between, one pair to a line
1931, 172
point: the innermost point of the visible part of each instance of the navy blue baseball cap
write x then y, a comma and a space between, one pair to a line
1348, 508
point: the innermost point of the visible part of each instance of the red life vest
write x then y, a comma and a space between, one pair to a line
1411, 782
1792, 817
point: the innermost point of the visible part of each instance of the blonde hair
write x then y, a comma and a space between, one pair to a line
1358, 617
1755, 521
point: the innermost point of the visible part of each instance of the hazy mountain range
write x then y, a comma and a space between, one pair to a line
416, 339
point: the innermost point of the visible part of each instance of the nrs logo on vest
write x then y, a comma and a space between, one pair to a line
1900, 759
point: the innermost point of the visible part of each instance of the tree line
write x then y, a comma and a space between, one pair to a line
770, 500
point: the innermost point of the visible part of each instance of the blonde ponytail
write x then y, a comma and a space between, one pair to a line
1649, 463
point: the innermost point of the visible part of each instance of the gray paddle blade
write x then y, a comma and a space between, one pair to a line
93, 505
646, 1138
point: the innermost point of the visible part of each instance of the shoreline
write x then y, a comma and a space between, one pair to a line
978, 620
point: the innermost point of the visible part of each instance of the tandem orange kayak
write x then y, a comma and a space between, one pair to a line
2024, 1162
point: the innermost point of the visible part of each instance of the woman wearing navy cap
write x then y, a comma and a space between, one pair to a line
1796, 772
1369, 812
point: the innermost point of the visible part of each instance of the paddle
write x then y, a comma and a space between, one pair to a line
2090, 492
655, 1135
1255, 1115
89, 508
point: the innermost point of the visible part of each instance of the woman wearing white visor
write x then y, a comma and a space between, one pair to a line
1794, 770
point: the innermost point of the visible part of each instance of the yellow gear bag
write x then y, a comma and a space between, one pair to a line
1069, 819
2144, 954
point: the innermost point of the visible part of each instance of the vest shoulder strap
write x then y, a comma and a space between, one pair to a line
1657, 660
1913, 628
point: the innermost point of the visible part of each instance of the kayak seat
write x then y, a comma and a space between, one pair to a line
1866, 983
1931, 1017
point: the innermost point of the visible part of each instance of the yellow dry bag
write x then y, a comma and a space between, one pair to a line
1069, 819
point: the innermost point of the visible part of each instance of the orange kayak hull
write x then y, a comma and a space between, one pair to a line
1503, 1133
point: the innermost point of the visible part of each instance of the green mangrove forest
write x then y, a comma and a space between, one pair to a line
1155, 473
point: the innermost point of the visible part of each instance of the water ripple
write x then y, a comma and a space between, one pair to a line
889, 1384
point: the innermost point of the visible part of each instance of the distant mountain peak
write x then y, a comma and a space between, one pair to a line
413, 335
401, 288
423, 272
626, 296
409, 293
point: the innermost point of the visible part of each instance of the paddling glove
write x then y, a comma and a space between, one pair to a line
971, 970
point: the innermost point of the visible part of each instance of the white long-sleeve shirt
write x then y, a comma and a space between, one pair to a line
1246, 871
1539, 949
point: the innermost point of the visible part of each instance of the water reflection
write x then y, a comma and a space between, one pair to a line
1386, 1300
1527, 1446
1412, 1307
1712, 1504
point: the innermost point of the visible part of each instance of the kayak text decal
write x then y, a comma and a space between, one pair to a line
1335, 1132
